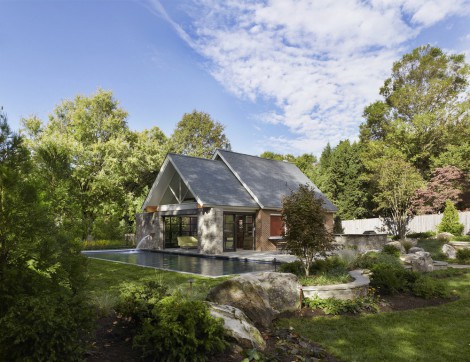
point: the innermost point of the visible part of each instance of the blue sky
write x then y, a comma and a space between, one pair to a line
282, 75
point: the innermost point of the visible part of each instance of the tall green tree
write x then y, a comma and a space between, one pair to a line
98, 167
425, 106
197, 134
43, 315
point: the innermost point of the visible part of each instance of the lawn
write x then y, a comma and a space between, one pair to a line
105, 277
439, 333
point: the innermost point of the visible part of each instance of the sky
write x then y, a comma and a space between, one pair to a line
285, 76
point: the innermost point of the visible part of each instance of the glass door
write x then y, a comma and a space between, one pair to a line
229, 234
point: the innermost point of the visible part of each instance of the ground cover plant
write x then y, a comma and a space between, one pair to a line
429, 334
106, 244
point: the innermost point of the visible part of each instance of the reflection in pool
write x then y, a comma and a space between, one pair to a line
210, 266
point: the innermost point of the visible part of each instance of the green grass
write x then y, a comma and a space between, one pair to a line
436, 334
105, 277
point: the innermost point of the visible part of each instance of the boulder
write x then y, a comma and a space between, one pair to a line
397, 245
420, 261
449, 251
444, 236
414, 249
238, 327
261, 296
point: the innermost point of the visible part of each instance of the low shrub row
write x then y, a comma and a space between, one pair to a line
369, 303
463, 256
106, 244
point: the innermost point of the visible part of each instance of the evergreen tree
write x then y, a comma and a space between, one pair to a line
450, 220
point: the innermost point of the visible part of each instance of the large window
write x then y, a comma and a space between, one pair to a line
276, 225
178, 226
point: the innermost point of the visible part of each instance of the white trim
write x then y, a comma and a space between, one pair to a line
199, 201
238, 178
177, 207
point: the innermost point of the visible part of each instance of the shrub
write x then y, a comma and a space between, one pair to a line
45, 328
463, 256
326, 279
180, 329
104, 244
369, 303
407, 245
423, 235
368, 260
427, 287
391, 250
391, 279
295, 267
461, 238
137, 301
450, 220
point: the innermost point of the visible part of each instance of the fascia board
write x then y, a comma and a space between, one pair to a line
155, 183
239, 179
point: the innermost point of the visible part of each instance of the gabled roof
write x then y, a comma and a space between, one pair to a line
268, 181
210, 181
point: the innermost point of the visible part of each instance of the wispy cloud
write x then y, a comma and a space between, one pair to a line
320, 62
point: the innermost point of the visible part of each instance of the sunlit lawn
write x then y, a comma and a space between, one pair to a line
106, 277
439, 333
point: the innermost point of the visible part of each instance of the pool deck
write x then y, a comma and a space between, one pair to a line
252, 255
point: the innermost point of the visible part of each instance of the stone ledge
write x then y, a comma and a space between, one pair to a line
460, 244
354, 289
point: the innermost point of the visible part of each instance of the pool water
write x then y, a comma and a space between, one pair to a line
204, 265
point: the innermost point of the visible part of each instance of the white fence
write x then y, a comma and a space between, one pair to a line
418, 224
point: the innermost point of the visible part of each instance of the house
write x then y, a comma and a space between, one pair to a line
228, 203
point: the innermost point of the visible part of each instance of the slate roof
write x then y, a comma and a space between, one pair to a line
268, 180
212, 182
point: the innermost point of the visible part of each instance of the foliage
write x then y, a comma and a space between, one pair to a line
423, 235
427, 287
294, 267
305, 232
137, 300
450, 220
198, 135
327, 278
337, 226
97, 169
43, 314
424, 107
105, 244
447, 183
369, 303
463, 256
461, 238
434, 247
340, 176
396, 182
390, 249
407, 245
180, 329
391, 278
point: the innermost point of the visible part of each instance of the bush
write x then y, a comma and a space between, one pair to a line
407, 245
369, 303
137, 301
424, 235
391, 279
426, 287
295, 267
104, 244
45, 328
368, 260
450, 220
463, 256
391, 250
180, 329
461, 238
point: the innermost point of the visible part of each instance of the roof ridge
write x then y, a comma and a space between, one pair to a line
261, 158
188, 156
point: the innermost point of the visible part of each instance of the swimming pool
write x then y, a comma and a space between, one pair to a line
204, 265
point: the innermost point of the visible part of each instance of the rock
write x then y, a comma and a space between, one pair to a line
397, 245
444, 236
261, 296
420, 261
238, 326
414, 249
449, 251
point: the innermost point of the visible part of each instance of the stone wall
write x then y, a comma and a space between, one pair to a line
149, 231
362, 242
210, 228
357, 288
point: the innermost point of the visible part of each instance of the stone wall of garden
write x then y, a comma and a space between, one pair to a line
361, 242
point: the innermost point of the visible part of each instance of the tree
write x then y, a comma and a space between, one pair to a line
305, 232
98, 168
43, 314
198, 135
450, 220
425, 106
396, 183
447, 183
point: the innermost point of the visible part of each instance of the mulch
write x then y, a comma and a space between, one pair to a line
113, 338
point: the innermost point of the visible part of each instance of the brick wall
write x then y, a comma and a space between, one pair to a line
263, 231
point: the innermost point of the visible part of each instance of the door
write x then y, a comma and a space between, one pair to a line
240, 232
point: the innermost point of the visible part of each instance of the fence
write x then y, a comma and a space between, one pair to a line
418, 224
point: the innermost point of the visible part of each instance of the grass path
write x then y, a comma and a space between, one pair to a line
440, 333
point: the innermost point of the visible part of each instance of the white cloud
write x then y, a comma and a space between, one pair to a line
319, 61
